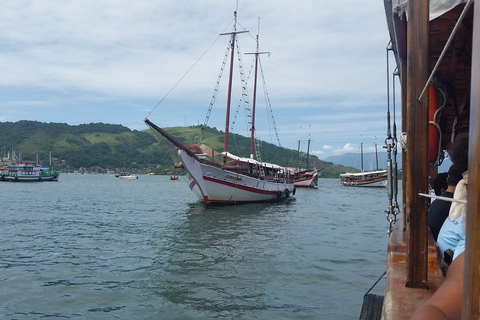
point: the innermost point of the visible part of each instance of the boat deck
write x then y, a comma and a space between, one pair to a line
400, 301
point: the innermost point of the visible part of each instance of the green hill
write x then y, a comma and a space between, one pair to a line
101, 147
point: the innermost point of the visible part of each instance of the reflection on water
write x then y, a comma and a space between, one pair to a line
216, 263
98, 247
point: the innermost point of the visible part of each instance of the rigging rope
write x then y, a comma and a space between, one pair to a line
391, 146
248, 110
215, 91
244, 96
189, 69
267, 100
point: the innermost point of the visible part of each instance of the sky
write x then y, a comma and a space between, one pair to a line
118, 61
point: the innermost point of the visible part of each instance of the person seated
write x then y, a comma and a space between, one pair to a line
452, 232
439, 183
446, 302
450, 237
439, 209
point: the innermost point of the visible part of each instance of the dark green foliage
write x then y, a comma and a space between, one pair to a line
115, 147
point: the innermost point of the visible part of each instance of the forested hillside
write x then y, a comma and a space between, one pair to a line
104, 147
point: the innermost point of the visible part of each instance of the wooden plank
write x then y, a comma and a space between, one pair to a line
471, 293
403, 68
417, 144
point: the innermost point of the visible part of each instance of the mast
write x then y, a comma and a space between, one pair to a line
308, 151
230, 80
361, 154
376, 153
298, 155
252, 129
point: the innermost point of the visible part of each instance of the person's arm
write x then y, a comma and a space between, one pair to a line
446, 302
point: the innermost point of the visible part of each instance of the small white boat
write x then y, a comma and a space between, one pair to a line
127, 176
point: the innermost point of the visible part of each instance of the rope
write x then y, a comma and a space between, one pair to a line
434, 122
185, 74
392, 183
384, 273
268, 103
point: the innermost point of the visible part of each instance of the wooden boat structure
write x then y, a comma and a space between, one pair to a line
435, 44
307, 177
375, 178
225, 178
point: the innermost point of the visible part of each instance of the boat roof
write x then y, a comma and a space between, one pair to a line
250, 160
437, 7
453, 72
364, 173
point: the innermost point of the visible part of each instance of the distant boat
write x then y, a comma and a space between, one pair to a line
306, 178
126, 176
225, 178
377, 178
175, 177
27, 171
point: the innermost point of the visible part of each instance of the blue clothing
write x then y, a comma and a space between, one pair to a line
451, 237
459, 249
438, 212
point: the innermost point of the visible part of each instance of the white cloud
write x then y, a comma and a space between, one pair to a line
111, 61
346, 148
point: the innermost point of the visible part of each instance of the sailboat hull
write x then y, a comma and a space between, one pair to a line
217, 185
365, 179
378, 184
306, 180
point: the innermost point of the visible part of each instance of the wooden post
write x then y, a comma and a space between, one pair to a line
403, 83
417, 144
471, 281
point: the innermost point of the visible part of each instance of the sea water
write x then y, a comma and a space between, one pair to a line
99, 247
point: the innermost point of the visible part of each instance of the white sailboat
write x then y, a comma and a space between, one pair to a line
233, 179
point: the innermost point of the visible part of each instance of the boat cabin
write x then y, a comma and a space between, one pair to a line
436, 47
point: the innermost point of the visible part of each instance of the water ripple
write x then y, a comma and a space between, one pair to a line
96, 247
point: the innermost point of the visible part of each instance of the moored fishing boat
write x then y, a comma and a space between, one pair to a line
436, 45
27, 171
225, 178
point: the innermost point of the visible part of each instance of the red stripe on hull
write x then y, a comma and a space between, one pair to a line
234, 185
